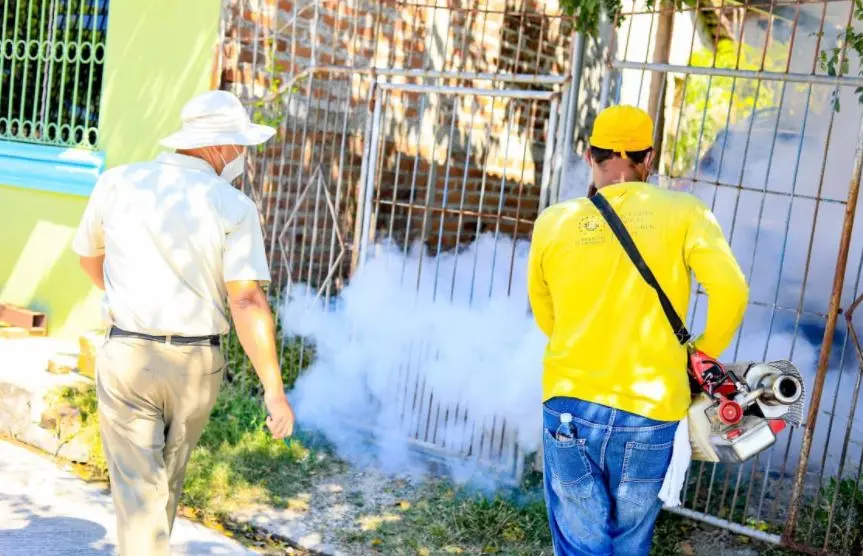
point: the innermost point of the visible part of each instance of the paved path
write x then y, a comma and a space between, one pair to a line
48, 511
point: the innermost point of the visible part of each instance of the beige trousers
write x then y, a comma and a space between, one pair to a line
154, 400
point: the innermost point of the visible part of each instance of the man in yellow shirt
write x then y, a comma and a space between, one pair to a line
615, 382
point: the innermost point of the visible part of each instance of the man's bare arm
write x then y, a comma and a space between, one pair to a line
257, 332
94, 268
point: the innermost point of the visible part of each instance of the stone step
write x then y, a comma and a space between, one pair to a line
17, 332
63, 364
26, 390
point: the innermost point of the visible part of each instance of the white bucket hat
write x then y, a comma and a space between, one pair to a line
216, 118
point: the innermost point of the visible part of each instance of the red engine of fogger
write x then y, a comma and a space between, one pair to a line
739, 409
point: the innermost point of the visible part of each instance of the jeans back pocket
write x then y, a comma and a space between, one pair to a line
569, 466
644, 469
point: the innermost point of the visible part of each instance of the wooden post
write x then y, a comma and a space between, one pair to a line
658, 81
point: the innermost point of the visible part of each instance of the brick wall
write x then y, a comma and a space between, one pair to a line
449, 166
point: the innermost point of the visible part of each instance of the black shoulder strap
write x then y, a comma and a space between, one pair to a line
629, 246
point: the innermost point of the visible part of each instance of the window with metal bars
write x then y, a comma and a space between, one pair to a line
52, 55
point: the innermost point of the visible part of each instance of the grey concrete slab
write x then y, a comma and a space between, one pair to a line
48, 511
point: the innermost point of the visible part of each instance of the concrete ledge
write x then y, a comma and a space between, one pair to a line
47, 168
25, 383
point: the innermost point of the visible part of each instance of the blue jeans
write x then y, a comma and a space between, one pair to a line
602, 487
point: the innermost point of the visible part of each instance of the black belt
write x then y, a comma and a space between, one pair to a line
176, 340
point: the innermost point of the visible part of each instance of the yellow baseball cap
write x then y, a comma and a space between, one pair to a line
622, 128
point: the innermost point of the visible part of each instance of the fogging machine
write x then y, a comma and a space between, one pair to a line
736, 411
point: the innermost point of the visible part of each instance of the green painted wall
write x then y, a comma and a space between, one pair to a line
37, 266
159, 55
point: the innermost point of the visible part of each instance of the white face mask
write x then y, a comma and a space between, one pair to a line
235, 168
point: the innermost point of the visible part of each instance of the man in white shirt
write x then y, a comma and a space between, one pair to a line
168, 241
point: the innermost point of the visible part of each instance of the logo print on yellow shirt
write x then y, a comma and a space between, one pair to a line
589, 224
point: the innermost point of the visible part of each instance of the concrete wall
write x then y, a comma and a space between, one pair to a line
159, 54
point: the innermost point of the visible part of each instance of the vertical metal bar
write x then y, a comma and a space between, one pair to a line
14, 59
278, 177
605, 87
808, 263
377, 184
268, 178
529, 135
46, 87
827, 343
782, 255
310, 121
26, 67
846, 441
359, 225
686, 78
653, 16
94, 48
3, 83
574, 86
365, 201
444, 196
62, 93
341, 161
832, 413
501, 195
658, 80
324, 271
38, 78
413, 190
463, 194
481, 201
296, 158
550, 148
78, 51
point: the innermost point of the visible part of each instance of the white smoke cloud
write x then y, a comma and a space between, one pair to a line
415, 341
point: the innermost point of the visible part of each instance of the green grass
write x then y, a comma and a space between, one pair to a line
845, 523
83, 398
237, 463
441, 518
295, 355
445, 519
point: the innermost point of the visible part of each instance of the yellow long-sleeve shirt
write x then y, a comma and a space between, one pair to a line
609, 341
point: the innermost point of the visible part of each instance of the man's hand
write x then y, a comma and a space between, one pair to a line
280, 420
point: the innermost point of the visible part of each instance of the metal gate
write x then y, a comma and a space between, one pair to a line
750, 127
436, 214
404, 125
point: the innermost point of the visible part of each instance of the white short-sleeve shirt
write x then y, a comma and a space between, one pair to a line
173, 233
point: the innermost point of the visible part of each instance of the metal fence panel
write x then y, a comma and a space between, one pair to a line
750, 128
458, 146
376, 105
412, 206
52, 54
